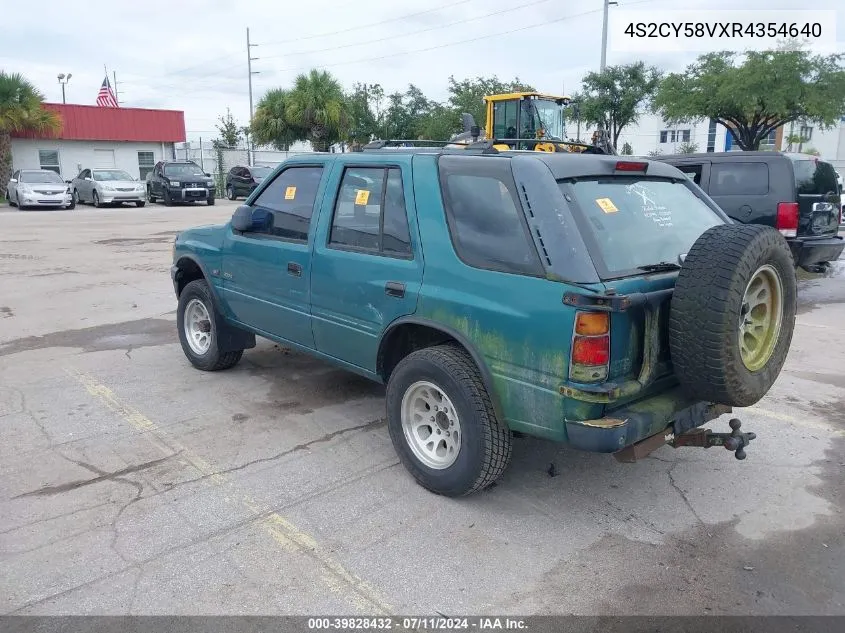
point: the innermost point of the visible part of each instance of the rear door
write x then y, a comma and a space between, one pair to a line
367, 268
818, 197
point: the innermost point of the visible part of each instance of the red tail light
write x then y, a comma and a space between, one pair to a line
787, 220
590, 356
627, 165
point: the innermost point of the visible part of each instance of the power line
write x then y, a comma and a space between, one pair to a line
425, 30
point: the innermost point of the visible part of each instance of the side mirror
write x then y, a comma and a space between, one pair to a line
245, 218
88, 178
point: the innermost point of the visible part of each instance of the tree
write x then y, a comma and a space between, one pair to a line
363, 105
317, 105
230, 133
21, 110
615, 97
467, 95
627, 150
688, 148
271, 124
763, 92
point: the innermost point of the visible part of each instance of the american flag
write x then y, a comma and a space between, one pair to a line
106, 96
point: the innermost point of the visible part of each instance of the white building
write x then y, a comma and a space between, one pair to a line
131, 139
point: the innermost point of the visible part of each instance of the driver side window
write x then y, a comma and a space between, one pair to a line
289, 202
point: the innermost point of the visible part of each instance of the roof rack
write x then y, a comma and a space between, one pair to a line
402, 144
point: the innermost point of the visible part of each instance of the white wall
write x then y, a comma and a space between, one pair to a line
77, 155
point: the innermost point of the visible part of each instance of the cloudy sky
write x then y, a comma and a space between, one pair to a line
191, 54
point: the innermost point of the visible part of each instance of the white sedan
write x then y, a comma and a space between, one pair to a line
107, 186
29, 188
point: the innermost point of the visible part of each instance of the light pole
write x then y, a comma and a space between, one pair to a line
63, 79
607, 4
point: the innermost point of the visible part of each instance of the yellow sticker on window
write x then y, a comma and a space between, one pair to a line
290, 193
361, 196
606, 205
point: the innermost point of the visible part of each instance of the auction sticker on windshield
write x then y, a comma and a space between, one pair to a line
290, 193
606, 205
361, 196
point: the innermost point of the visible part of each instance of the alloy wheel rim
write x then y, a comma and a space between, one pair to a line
197, 327
761, 317
431, 425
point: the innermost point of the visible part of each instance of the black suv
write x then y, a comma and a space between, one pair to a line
179, 181
798, 194
242, 180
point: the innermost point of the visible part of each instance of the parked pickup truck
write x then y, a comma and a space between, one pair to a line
594, 300
179, 181
798, 194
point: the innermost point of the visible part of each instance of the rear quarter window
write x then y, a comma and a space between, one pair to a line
738, 179
815, 177
632, 222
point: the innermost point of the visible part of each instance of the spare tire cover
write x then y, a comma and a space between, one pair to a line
732, 314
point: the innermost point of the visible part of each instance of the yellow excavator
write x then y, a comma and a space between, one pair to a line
530, 121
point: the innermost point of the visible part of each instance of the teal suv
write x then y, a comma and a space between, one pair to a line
604, 303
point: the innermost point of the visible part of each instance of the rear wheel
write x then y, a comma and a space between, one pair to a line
733, 313
442, 423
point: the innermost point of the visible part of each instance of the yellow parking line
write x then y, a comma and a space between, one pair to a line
359, 593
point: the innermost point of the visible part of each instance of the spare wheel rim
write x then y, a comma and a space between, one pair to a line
761, 317
431, 425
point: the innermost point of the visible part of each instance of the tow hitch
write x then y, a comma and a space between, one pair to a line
735, 441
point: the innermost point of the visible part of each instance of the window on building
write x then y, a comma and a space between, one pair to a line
49, 159
736, 179
711, 136
370, 213
664, 135
770, 139
290, 201
146, 162
806, 133
685, 135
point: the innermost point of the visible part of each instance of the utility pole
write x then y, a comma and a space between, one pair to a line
250, 72
607, 4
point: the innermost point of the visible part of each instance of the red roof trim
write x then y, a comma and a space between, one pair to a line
97, 123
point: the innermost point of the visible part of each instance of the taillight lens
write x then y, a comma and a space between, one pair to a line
590, 356
787, 220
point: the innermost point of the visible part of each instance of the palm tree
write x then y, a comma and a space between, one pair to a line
271, 125
20, 111
318, 105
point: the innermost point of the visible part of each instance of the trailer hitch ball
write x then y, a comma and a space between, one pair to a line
737, 441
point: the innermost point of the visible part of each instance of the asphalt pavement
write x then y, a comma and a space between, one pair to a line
131, 483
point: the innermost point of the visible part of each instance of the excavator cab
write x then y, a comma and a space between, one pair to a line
517, 120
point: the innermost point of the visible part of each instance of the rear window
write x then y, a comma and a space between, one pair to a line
815, 177
739, 179
636, 222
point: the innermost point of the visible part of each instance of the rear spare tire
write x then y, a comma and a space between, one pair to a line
733, 313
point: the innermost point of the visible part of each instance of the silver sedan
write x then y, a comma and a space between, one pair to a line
38, 188
107, 186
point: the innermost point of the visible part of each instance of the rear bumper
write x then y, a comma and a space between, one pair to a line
810, 251
667, 413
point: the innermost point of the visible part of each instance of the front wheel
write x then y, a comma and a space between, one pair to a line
168, 201
210, 201
230, 192
96, 199
140, 203
442, 422
197, 325
150, 197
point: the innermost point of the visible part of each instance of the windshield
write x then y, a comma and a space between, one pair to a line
633, 222
40, 176
261, 172
183, 169
111, 174
550, 117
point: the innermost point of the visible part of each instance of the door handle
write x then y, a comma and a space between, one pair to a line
294, 269
394, 289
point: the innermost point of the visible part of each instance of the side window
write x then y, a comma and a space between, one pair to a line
370, 212
290, 198
693, 172
357, 214
737, 179
487, 230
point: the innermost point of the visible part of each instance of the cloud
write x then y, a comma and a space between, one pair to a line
191, 55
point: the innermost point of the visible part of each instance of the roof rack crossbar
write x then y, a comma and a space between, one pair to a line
400, 143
